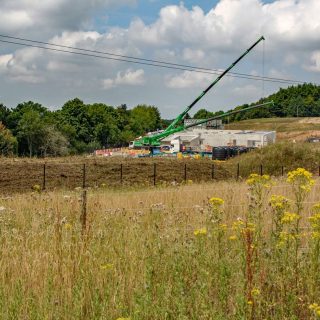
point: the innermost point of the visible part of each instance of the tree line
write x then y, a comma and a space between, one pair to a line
295, 101
31, 129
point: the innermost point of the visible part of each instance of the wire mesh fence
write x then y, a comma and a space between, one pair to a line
20, 177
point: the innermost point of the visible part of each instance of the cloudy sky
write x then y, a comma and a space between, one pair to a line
209, 34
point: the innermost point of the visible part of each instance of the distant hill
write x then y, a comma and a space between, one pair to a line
295, 101
301, 100
298, 129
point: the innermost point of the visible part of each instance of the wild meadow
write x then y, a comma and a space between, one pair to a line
225, 250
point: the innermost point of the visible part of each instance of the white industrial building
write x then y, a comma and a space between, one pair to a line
200, 139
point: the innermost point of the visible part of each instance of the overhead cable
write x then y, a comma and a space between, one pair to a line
140, 61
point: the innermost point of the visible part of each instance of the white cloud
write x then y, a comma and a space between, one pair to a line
179, 35
129, 77
48, 16
315, 62
4, 60
188, 79
247, 90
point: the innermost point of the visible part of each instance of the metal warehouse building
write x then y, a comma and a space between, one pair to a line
199, 139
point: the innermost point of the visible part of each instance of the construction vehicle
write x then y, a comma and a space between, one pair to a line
153, 140
176, 148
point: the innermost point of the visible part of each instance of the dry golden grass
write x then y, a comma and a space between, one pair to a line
139, 257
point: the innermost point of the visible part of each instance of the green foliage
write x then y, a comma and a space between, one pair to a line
145, 118
31, 130
4, 113
287, 155
205, 114
302, 100
8, 143
78, 127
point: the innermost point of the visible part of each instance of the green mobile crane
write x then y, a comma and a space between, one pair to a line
176, 126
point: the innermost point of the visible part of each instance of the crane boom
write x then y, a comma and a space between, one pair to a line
226, 114
183, 114
154, 139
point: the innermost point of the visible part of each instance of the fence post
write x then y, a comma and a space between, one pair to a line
261, 170
212, 171
44, 177
282, 170
185, 172
121, 173
84, 176
83, 217
319, 171
238, 171
154, 173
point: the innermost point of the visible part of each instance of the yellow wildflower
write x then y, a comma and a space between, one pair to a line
237, 225
315, 235
107, 266
200, 232
189, 182
255, 292
313, 306
232, 238
255, 179
216, 202
68, 226
278, 202
289, 217
315, 221
223, 227
36, 188
250, 302
301, 178
123, 318
285, 237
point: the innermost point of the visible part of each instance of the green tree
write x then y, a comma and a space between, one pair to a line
8, 143
31, 129
144, 118
17, 113
203, 114
4, 114
53, 142
74, 120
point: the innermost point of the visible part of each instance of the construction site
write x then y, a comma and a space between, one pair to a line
201, 137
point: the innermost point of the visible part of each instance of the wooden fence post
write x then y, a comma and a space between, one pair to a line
84, 176
154, 173
83, 217
44, 177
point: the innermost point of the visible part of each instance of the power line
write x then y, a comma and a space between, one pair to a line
215, 71
141, 61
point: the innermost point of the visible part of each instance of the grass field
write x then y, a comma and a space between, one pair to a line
298, 129
163, 253
20, 175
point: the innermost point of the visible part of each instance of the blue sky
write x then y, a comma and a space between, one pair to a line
212, 38
147, 10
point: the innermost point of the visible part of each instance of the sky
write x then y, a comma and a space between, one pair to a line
208, 34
